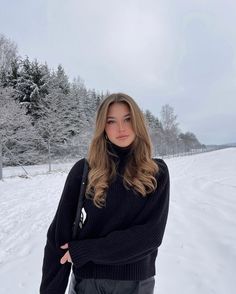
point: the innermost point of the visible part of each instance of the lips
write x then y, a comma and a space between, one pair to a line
121, 137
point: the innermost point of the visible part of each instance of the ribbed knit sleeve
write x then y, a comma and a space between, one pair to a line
130, 245
54, 274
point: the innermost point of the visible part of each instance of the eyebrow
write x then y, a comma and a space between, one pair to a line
123, 116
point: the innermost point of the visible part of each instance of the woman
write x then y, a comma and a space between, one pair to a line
126, 204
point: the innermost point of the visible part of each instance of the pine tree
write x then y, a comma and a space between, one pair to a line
60, 80
21, 142
8, 53
32, 86
152, 121
156, 132
13, 74
190, 141
77, 111
51, 123
91, 102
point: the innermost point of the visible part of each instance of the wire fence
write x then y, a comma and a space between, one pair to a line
57, 158
61, 157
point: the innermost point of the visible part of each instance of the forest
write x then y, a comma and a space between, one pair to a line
44, 114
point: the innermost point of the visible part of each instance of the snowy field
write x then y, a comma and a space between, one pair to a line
198, 253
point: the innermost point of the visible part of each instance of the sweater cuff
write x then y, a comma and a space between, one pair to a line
80, 252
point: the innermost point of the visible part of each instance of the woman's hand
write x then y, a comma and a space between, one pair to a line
66, 257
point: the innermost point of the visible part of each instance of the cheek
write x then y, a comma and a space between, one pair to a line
132, 131
131, 128
109, 130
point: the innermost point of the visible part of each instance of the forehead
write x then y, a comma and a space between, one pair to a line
118, 108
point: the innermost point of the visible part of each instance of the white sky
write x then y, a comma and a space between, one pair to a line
181, 52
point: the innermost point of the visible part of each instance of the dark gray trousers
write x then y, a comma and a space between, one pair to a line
106, 286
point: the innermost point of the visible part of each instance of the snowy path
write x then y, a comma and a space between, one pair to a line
198, 254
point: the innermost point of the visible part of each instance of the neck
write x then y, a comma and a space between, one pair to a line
119, 151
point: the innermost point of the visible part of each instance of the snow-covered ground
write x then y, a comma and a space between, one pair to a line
198, 253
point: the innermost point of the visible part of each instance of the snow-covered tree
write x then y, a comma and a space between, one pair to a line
156, 132
189, 141
60, 80
91, 103
8, 53
51, 123
78, 116
21, 142
169, 119
170, 128
152, 121
32, 86
13, 73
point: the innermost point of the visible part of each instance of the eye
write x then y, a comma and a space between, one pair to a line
109, 122
128, 119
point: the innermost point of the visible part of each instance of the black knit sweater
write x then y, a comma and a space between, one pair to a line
119, 241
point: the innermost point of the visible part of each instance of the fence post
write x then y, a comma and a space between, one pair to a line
49, 156
0, 157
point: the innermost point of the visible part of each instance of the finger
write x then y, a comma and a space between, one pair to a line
69, 257
66, 258
65, 246
63, 260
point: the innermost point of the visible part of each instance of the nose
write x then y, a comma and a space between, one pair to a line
121, 126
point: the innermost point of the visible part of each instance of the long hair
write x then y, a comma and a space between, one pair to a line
140, 169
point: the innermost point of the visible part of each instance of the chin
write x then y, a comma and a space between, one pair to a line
123, 144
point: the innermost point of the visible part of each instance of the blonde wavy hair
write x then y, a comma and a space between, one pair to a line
140, 168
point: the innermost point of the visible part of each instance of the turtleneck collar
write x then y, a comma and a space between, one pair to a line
120, 152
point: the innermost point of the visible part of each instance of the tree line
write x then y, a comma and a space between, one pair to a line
41, 110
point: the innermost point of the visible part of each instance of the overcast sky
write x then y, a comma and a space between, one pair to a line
180, 52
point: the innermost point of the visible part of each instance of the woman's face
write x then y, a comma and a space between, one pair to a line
119, 127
